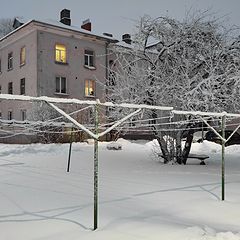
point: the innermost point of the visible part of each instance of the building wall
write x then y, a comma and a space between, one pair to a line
24, 37
74, 71
41, 70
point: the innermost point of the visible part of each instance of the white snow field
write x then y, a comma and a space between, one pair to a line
139, 197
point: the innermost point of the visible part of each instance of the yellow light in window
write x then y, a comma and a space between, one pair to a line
60, 53
86, 88
23, 56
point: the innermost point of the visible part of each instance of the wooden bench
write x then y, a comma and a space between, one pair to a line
200, 157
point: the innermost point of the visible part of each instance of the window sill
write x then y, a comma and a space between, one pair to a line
90, 96
61, 63
61, 94
90, 67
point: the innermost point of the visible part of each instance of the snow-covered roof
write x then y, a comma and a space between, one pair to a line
58, 24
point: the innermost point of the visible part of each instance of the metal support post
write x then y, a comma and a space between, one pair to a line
70, 151
223, 156
96, 170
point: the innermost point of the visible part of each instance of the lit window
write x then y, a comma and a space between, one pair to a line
10, 115
89, 58
22, 86
89, 88
61, 85
22, 56
60, 53
10, 88
10, 61
23, 115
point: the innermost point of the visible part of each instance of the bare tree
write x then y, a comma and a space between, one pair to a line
190, 65
6, 26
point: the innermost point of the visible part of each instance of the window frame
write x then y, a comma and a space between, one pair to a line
23, 113
23, 56
10, 61
60, 52
10, 114
88, 63
60, 85
10, 87
22, 86
87, 88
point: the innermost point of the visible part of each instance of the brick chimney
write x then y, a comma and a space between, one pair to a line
87, 25
65, 17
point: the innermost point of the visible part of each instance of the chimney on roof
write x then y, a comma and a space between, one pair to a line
107, 34
87, 25
126, 38
65, 17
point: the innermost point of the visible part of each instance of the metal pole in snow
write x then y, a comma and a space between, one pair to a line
70, 150
223, 156
96, 170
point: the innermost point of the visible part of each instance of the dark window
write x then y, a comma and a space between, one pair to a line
10, 115
10, 61
89, 58
61, 85
10, 88
0, 88
22, 86
23, 115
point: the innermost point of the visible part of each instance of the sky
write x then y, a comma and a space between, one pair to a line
116, 17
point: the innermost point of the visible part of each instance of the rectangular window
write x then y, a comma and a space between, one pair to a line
23, 115
10, 61
0, 115
89, 88
89, 58
23, 56
60, 53
0, 88
10, 115
10, 88
61, 85
22, 86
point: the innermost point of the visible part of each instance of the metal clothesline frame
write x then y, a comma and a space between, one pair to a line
138, 108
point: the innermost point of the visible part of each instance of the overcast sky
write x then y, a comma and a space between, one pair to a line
115, 16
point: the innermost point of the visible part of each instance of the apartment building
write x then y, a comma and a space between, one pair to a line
52, 58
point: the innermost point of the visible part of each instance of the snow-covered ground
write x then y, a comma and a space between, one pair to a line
139, 198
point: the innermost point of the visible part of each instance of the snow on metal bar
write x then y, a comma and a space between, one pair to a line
77, 101
119, 123
36, 123
198, 113
233, 133
136, 106
223, 139
73, 120
46, 99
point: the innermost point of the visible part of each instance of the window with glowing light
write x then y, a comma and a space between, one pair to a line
22, 56
60, 53
89, 88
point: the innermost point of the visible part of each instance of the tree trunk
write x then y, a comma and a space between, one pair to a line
187, 146
179, 148
163, 145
